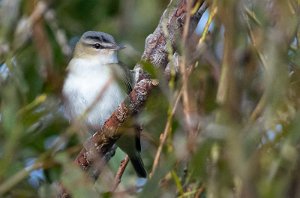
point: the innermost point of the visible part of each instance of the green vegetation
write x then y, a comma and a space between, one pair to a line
233, 132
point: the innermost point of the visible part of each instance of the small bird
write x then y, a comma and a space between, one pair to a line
96, 84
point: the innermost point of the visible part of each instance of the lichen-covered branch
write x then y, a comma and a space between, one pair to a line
172, 21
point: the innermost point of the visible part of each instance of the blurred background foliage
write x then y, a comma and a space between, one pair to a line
243, 90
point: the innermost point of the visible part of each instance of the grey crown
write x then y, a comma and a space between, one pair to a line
98, 37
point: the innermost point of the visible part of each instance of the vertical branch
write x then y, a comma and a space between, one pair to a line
229, 93
43, 48
189, 105
228, 96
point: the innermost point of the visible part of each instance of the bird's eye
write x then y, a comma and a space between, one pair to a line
97, 46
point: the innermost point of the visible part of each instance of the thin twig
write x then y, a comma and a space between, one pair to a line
228, 93
188, 103
252, 38
59, 34
120, 172
262, 102
24, 28
259, 108
165, 134
208, 23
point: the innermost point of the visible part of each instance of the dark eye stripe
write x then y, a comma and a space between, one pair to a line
98, 46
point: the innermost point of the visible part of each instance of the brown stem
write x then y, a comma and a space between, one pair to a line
120, 172
189, 109
164, 135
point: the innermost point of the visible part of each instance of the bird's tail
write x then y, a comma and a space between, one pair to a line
138, 165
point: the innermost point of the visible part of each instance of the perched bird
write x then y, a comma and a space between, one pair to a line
96, 84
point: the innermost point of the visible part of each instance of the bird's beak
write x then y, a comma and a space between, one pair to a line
118, 47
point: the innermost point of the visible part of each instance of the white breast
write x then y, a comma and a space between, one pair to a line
83, 85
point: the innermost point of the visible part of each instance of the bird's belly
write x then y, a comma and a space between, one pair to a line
93, 97
106, 105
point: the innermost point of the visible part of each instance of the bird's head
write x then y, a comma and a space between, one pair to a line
98, 45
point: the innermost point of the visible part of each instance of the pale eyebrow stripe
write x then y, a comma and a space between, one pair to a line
105, 45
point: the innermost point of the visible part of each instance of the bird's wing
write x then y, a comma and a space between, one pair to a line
127, 77
123, 76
